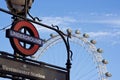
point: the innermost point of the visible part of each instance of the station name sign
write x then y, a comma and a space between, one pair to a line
30, 70
23, 37
19, 71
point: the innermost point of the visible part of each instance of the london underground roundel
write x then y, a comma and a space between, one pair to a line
24, 38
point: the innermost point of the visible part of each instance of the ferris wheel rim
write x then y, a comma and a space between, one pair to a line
56, 39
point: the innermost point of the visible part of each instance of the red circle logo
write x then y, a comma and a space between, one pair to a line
25, 38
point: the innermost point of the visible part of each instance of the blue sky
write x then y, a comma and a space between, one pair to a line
99, 18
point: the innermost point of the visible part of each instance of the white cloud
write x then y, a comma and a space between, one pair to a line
104, 14
110, 14
61, 22
42, 29
100, 18
105, 34
112, 37
99, 34
112, 22
101, 21
66, 21
58, 20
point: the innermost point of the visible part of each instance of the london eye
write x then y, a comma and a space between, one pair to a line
87, 60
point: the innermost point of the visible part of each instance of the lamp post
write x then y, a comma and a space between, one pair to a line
19, 9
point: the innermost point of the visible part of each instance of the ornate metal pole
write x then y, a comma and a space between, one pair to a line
66, 41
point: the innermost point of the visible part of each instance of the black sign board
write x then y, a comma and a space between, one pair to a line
30, 70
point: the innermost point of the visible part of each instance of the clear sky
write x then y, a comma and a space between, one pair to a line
99, 18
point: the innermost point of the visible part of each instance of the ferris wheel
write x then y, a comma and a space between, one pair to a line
87, 60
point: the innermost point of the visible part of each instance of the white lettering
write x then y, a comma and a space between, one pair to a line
25, 37
23, 72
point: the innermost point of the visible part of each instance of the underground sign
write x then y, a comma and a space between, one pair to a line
24, 38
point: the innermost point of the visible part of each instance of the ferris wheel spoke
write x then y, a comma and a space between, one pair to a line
87, 75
